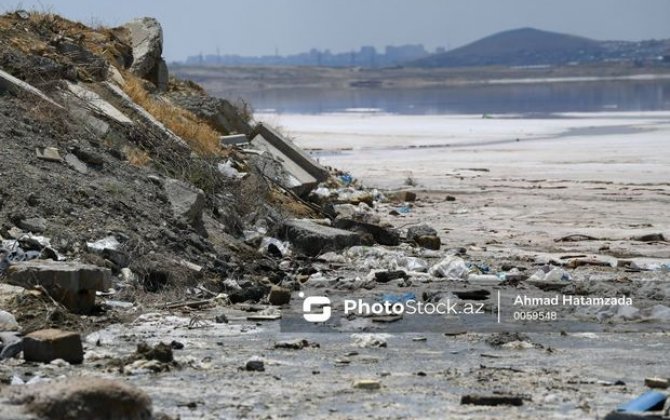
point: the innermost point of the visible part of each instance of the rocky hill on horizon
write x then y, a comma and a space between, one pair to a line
532, 47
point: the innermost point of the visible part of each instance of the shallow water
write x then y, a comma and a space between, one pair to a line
527, 98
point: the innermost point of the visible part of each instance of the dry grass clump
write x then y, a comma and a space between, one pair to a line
198, 134
136, 157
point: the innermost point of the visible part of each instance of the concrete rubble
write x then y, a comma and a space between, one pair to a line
72, 284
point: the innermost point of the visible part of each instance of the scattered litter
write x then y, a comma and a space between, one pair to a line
450, 268
369, 340
649, 401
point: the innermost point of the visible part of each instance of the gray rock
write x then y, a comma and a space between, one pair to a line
12, 345
420, 230
33, 224
279, 296
313, 239
380, 234
83, 398
7, 321
76, 164
186, 200
147, 41
72, 284
47, 345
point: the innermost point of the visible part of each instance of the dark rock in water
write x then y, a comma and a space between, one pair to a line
387, 276
161, 352
279, 296
421, 230
295, 344
221, 319
255, 366
491, 400
83, 398
250, 293
313, 239
177, 345
428, 242
380, 234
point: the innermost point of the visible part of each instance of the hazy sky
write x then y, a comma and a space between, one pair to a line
256, 27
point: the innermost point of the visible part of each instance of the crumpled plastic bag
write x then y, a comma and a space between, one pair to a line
450, 268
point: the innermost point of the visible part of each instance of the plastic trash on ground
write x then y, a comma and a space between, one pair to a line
451, 268
228, 170
394, 298
649, 401
555, 275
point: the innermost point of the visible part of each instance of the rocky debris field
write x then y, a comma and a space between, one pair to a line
159, 247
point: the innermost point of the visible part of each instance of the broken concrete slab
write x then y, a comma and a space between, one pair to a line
72, 284
219, 113
313, 239
45, 346
49, 154
234, 140
14, 85
293, 152
186, 200
143, 113
285, 171
96, 103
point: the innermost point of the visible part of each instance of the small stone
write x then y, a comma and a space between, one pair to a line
279, 296
33, 224
221, 319
160, 352
450, 198
50, 154
368, 384
51, 344
8, 321
428, 242
421, 230
387, 276
255, 366
76, 164
405, 196
177, 345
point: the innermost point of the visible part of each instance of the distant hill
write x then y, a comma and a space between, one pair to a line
525, 46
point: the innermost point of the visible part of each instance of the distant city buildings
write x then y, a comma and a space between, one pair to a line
367, 57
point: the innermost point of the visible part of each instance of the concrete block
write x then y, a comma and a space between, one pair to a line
47, 345
313, 239
96, 103
13, 84
72, 284
290, 175
234, 140
293, 152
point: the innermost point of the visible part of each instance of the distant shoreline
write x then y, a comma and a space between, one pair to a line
242, 79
